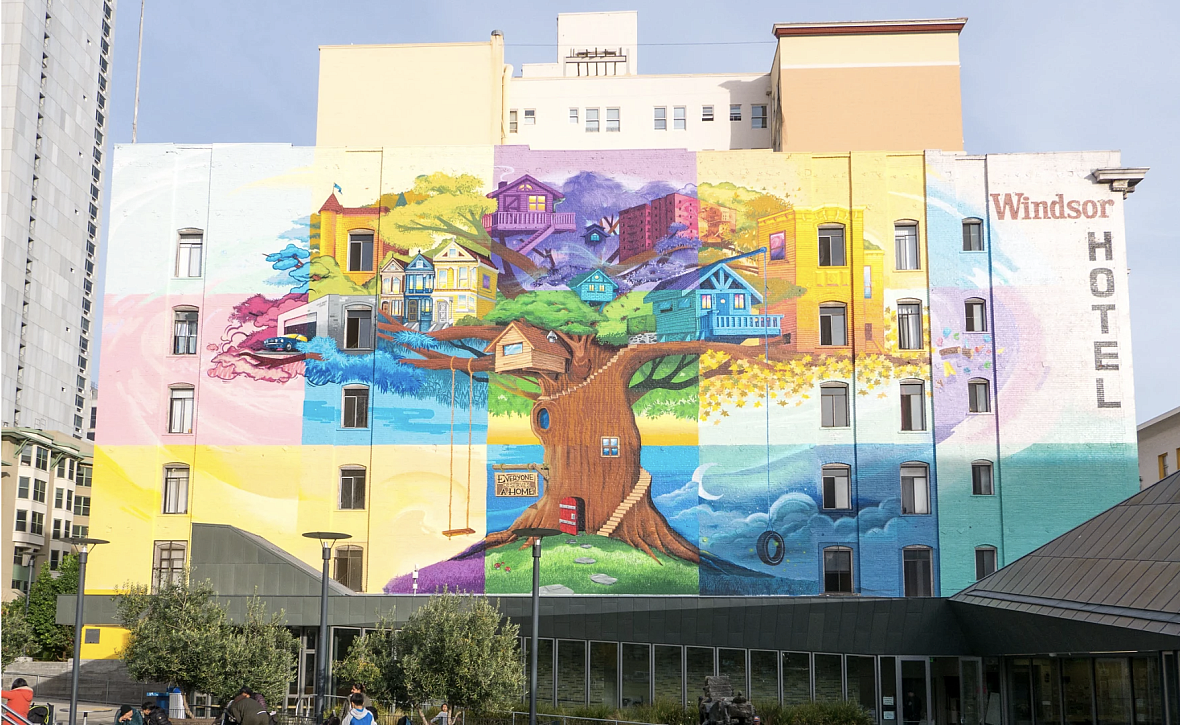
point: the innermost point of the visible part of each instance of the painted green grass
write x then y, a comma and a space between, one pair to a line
509, 569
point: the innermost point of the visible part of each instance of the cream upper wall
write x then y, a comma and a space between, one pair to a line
372, 96
636, 97
868, 49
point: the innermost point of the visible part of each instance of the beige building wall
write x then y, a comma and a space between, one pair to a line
1159, 448
445, 94
879, 86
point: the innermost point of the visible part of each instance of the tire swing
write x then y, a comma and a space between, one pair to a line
466, 530
771, 547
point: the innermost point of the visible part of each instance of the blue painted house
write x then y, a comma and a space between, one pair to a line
710, 303
595, 286
595, 234
419, 286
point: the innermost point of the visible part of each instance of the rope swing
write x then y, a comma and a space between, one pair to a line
466, 530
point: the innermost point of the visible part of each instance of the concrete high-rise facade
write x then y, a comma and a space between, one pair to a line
56, 87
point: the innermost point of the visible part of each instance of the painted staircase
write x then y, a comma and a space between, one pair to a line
588, 380
641, 488
539, 236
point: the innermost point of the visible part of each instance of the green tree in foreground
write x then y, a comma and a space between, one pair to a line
52, 641
15, 630
456, 649
182, 636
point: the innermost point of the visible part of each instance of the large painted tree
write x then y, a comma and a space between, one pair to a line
572, 411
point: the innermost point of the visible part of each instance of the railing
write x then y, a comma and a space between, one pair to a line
530, 220
11, 716
739, 324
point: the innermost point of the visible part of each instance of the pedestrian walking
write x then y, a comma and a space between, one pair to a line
443, 717
245, 710
19, 698
357, 714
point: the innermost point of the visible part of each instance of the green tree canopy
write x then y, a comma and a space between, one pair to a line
560, 310
15, 631
52, 641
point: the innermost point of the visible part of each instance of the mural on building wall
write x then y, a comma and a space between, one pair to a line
710, 371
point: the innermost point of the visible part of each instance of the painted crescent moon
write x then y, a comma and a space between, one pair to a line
698, 477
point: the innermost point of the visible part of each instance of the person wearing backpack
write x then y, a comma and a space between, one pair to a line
154, 715
245, 710
19, 698
358, 715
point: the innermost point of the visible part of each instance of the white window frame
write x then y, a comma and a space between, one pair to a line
344, 413
660, 118
512, 121
174, 498
574, 116
826, 312
616, 120
907, 246
530, 117
909, 324
185, 331
190, 254
182, 409
735, 112
357, 237
915, 476
916, 402
968, 242
836, 415
975, 314
841, 475
706, 114
979, 485
679, 118
592, 120
973, 401
759, 118
826, 233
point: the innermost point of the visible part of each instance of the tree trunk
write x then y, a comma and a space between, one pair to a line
584, 407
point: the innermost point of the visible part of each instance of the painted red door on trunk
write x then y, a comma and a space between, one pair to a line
569, 515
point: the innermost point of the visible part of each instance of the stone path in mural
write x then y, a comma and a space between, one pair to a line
604, 579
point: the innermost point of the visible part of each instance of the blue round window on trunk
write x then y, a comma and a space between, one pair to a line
543, 418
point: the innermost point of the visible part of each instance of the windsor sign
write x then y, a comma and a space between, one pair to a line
1017, 205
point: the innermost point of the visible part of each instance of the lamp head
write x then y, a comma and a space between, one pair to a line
84, 543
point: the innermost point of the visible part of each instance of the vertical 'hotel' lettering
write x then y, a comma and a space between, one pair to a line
1106, 353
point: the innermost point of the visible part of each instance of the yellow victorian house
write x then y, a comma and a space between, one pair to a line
464, 283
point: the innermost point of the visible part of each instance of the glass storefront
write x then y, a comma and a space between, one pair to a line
571, 672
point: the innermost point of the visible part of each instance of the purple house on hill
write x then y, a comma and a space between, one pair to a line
525, 207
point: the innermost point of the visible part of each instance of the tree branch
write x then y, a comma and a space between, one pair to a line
516, 390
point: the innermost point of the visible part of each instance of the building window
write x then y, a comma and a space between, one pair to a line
905, 241
530, 117
610, 447
836, 488
536, 203
679, 118
356, 407
917, 571
972, 235
739, 301
915, 489
188, 255
360, 252
350, 566
42, 459
61, 529
591, 120
358, 329
913, 405
39, 488
837, 570
706, 113
352, 489
512, 348
82, 531
36, 523
1162, 460
706, 301
81, 505
832, 329
54, 559
831, 246
979, 399
59, 498
512, 121
26, 456
982, 483
22, 487
833, 405
574, 116
175, 499
22, 520
612, 119
758, 117
735, 112
85, 473
660, 118
168, 564
975, 315
985, 561
180, 409
909, 325
184, 331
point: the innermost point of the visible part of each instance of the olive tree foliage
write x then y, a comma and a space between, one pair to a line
457, 649
16, 631
181, 635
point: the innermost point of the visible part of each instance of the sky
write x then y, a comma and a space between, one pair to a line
1036, 76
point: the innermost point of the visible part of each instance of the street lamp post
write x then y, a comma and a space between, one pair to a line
83, 545
323, 648
536, 534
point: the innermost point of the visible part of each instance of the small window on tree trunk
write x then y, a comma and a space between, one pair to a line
610, 447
